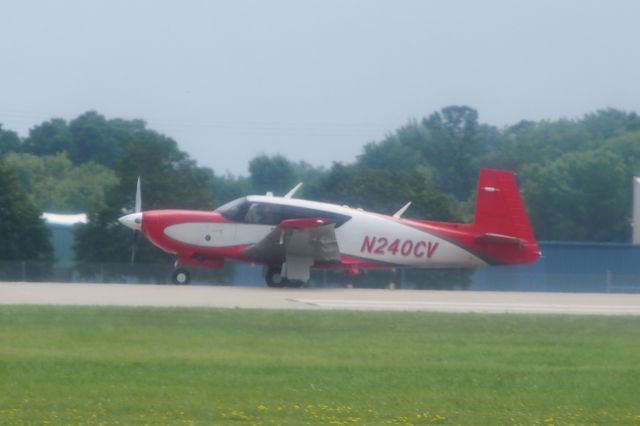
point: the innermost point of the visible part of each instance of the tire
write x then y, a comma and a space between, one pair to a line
181, 276
294, 283
274, 278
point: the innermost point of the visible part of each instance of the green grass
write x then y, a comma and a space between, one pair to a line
77, 365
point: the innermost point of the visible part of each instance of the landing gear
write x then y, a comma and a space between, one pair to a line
294, 283
180, 276
274, 278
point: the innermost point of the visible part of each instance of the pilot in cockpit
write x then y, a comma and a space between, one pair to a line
261, 214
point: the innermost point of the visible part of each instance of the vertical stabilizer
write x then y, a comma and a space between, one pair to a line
499, 207
501, 224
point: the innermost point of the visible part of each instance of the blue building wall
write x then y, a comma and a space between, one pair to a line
563, 267
62, 242
568, 266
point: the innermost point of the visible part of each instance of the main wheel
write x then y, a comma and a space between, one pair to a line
274, 277
294, 283
180, 276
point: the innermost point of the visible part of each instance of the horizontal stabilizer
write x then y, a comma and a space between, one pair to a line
499, 239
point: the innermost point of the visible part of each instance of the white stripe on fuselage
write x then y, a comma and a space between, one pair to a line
217, 234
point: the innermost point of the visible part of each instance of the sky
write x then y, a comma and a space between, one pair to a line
312, 80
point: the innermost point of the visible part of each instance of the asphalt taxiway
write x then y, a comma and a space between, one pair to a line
22, 293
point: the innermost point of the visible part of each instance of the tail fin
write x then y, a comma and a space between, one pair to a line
500, 216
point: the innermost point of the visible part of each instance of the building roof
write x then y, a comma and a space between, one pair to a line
64, 219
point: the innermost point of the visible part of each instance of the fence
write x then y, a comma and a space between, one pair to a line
242, 274
564, 267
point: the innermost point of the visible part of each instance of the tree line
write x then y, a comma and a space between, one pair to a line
575, 175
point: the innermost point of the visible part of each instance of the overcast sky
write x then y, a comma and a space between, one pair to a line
313, 80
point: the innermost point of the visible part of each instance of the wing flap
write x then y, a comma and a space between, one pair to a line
313, 238
303, 223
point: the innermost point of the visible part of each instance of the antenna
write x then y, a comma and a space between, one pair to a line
402, 210
293, 191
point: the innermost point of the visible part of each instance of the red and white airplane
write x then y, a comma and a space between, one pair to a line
290, 236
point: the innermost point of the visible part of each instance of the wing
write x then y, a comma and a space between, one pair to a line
309, 238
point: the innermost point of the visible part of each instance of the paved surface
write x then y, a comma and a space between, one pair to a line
310, 299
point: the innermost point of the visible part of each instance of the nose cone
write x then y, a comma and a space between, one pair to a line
133, 221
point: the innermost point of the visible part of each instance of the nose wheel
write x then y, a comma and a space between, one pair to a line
180, 276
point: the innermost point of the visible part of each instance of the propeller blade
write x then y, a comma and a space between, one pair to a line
138, 197
134, 246
134, 241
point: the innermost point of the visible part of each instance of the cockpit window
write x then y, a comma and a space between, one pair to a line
263, 213
234, 210
244, 211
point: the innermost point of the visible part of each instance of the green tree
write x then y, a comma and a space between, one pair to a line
400, 151
306, 173
171, 178
447, 148
9, 141
267, 173
581, 196
24, 236
383, 191
608, 123
540, 142
229, 187
54, 184
627, 148
453, 145
272, 174
88, 138
48, 138
98, 140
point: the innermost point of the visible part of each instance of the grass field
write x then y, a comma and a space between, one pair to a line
77, 365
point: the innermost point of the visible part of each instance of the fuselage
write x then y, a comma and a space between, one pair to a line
365, 239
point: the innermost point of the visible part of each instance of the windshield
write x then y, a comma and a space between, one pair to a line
234, 210
266, 213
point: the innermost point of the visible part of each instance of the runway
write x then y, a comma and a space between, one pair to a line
21, 293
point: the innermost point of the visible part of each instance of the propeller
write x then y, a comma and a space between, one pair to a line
138, 197
134, 221
136, 232
134, 244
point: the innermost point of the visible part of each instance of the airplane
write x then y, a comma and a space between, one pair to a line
291, 236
